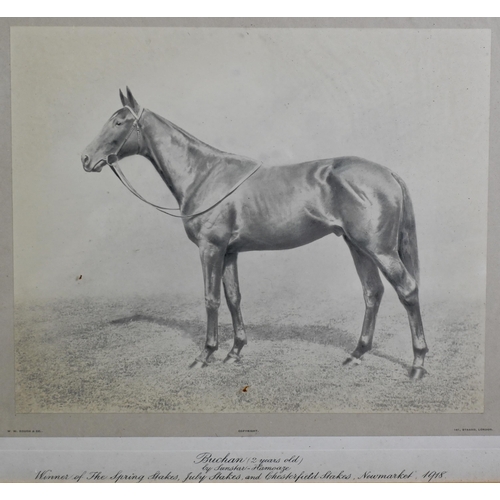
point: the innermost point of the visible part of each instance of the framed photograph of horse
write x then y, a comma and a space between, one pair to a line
252, 229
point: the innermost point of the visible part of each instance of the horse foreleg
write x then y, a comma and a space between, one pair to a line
373, 290
233, 299
212, 258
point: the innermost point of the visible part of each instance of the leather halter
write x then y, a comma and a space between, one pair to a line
137, 127
112, 161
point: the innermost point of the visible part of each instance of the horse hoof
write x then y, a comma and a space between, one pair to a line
353, 360
198, 364
417, 373
231, 358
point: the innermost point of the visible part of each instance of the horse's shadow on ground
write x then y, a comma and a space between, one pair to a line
325, 335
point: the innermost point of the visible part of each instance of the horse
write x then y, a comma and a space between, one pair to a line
231, 204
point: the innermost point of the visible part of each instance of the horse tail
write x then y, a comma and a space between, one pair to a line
407, 244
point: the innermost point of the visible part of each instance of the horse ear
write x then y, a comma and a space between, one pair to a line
123, 99
132, 102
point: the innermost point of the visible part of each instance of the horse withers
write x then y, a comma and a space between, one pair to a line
231, 204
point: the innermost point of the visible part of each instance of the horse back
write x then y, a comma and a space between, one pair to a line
288, 206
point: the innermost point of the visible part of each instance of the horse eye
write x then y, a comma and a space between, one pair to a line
118, 123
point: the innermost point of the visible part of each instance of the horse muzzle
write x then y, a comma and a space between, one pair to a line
96, 167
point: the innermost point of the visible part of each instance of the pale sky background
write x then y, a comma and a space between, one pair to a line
416, 101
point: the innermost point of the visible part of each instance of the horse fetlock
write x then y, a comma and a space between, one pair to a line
420, 352
362, 348
234, 353
210, 348
417, 372
240, 342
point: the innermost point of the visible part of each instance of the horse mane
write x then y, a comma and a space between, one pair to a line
197, 143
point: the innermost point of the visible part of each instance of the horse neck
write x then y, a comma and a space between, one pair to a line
178, 157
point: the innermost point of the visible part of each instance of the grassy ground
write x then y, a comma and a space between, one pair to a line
133, 356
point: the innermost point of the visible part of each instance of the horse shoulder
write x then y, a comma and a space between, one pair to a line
216, 226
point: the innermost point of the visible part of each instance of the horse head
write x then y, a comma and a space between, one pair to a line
117, 139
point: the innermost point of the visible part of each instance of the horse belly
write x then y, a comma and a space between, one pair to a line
271, 223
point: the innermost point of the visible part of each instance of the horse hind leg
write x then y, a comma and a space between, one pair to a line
406, 287
233, 299
373, 290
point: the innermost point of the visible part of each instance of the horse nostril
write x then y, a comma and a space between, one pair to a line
85, 160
